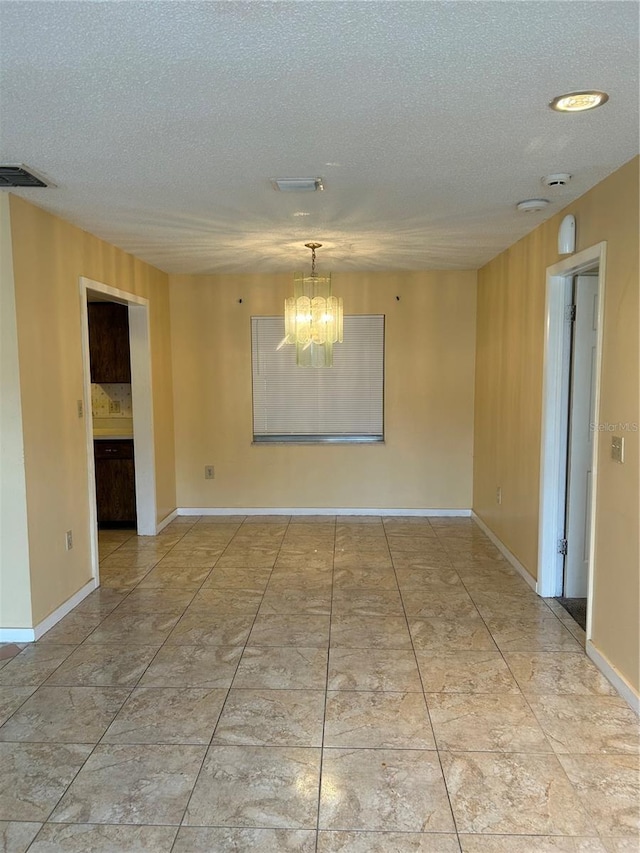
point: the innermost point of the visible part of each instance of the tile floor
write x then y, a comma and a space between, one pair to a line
361, 685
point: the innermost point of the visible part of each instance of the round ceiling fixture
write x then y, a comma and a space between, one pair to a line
560, 179
577, 102
532, 205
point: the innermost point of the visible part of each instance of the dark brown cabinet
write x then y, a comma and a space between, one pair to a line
109, 342
115, 483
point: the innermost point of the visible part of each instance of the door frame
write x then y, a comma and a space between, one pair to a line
555, 415
143, 445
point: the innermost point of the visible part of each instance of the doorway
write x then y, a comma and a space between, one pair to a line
582, 381
142, 411
568, 472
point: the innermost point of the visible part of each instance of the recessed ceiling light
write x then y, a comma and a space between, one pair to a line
532, 205
576, 102
301, 213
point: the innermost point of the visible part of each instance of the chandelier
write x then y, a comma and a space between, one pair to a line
312, 317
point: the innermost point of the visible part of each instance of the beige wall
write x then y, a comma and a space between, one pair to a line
49, 257
15, 592
425, 461
510, 339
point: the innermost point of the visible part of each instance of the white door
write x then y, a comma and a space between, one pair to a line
581, 436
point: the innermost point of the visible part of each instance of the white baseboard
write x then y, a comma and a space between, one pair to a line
444, 513
17, 635
515, 562
631, 697
30, 635
166, 520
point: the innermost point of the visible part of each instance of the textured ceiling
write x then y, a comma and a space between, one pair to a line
161, 123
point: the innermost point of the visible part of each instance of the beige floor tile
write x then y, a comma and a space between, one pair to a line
302, 630
139, 628
65, 715
356, 579
198, 628
272, 718
383, 789
313, 520
167, 715
172, 577
234, 839
226, 601
481, 722
243, 578
465, 672
588, 724
622, 845
143, 601
15, 836
377, 721
104, 665
365, 632
512, 794
204, 558
34, 664
374, 669
302, 559
285, 578
130, 560
361, 559
557, 673
11, 698
192, 666
609, 788
260, 786
455, 634
121, 580
525, 607
73, 629
407, 560
529, 844
132, 784
543, 634
34, 776
438, 579
92, 838
296, 601
282, 668
386, 842
260, 557
367, 602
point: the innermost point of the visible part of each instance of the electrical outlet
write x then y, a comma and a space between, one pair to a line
499, 495
68, 540
209, 472
114, 407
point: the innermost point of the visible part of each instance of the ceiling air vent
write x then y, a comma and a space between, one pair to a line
297, 185
18, 176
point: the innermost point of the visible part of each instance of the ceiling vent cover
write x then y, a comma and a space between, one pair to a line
297, 185
18, 176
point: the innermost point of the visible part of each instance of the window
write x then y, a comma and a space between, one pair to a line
343, 403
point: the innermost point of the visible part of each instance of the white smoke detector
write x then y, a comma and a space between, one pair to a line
532, 205
561, 179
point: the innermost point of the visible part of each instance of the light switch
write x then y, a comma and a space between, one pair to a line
617, 448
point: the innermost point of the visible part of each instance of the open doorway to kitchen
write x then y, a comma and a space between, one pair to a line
129, 430
571, 391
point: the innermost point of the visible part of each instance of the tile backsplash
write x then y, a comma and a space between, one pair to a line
111, 400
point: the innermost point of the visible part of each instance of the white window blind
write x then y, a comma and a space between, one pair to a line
305, 404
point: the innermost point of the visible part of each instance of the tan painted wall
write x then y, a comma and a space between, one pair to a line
510, 339
49, 257
426, 458
15, 592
